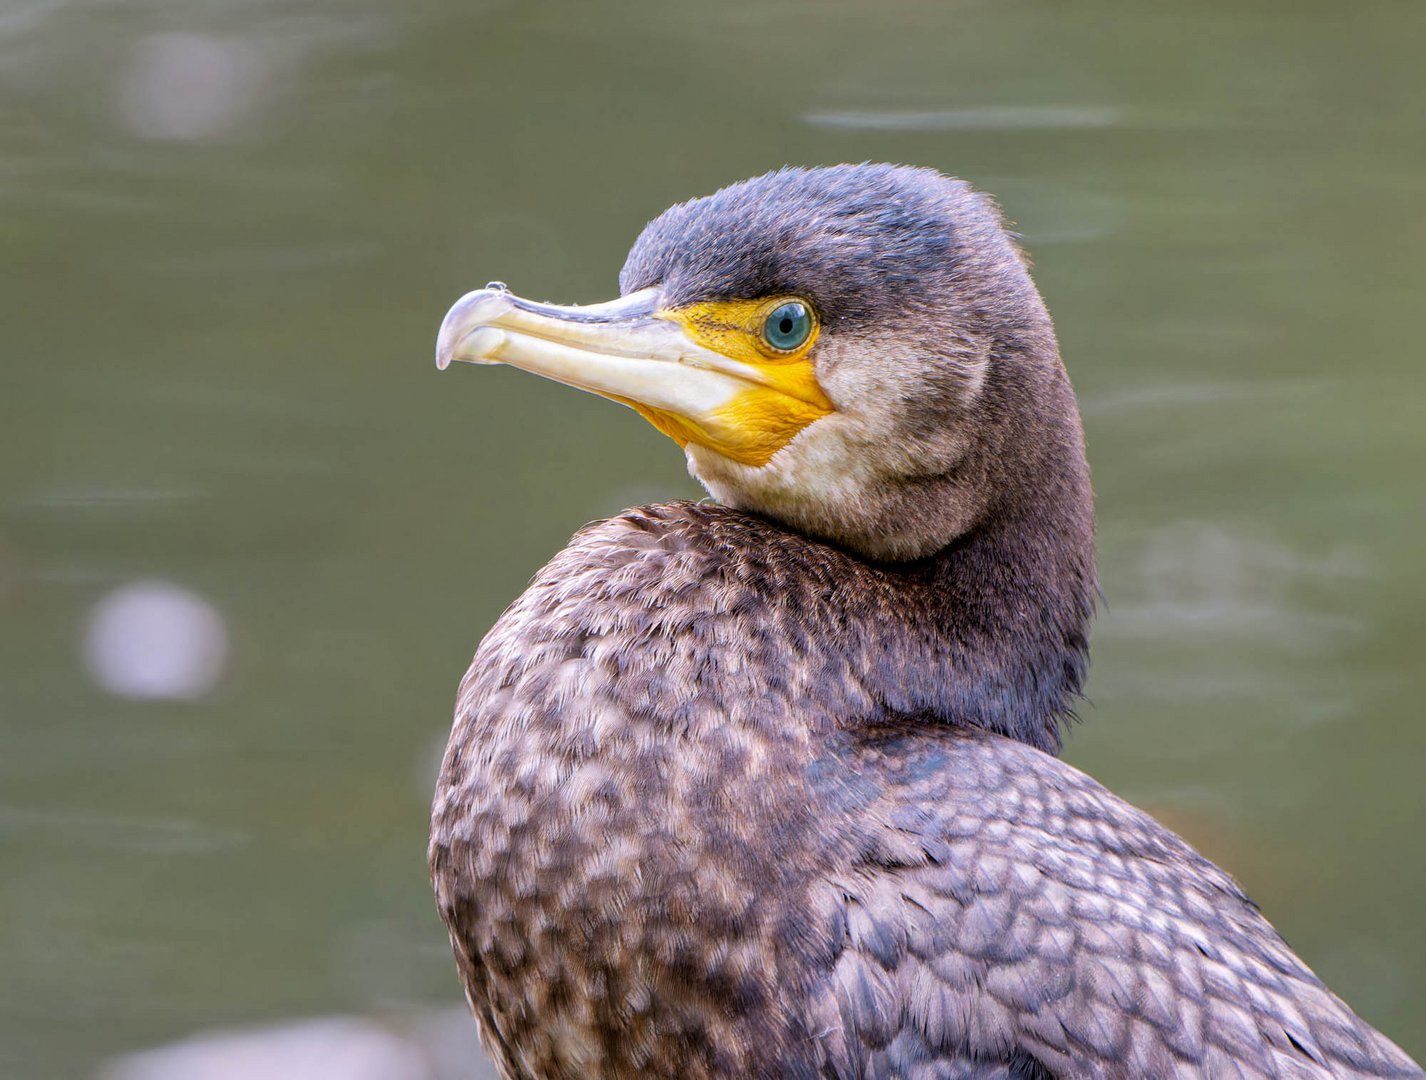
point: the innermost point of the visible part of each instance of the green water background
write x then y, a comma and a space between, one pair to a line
229, 230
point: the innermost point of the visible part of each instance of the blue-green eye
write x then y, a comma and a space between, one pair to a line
788, 326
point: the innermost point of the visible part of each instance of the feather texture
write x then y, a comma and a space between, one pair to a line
679, 833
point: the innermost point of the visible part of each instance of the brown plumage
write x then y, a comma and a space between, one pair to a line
744, 792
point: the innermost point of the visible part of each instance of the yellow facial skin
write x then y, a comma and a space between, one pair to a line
764, 418
702, 373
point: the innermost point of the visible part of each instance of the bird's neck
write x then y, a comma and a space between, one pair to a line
1004, 612
992, 631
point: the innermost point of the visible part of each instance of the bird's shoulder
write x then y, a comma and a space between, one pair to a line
1003, 906
741, 548
691, 590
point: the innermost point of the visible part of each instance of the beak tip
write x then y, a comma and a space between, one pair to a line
463, 323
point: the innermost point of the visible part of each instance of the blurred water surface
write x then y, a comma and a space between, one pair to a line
229, 231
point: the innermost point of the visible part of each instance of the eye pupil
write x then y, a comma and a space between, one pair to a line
788, 326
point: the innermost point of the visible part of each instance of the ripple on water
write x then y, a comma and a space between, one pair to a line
981, 118
104, 830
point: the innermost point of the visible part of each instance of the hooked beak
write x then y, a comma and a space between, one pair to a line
631, 351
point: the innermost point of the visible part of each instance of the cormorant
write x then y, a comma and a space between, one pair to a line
768, 788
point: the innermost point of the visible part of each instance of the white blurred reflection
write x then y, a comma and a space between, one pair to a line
155, 640
434, 1046
333, 1049
189, 86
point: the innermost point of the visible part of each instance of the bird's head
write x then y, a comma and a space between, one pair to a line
855, 351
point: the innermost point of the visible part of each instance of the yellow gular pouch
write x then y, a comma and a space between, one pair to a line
784, 395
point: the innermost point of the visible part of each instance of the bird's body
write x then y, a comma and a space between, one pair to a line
668, 879
731, 793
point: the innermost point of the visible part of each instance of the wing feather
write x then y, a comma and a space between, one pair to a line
1005, 912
